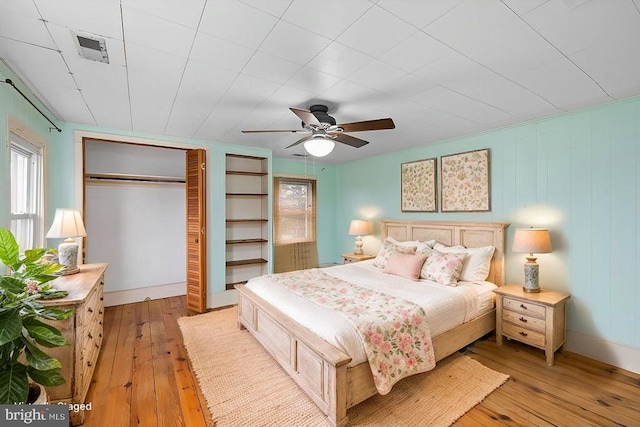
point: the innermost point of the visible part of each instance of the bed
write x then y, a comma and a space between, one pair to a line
325, 371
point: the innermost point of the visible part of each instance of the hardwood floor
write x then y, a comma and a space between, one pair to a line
143, 377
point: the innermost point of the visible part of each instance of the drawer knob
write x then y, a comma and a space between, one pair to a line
522, 306
90, 310
522, 319
89, 364
523, 333
97, 346
90, 336
100, 312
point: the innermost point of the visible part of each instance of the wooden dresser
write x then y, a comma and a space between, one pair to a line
83, 330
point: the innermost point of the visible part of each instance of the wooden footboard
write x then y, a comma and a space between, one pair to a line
319, 368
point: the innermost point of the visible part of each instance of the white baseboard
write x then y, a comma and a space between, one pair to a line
616, 354
140, 294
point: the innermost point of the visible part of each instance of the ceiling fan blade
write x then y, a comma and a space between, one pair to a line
300, 141
307, 117
349, 140
276, 130
379, 124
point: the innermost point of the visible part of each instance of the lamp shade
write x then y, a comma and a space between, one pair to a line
319, 147
67, 223
359, 228
531, 240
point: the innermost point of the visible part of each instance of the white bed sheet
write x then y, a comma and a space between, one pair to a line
446, 306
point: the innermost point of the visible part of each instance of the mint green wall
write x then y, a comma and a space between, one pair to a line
327, 210
576, 174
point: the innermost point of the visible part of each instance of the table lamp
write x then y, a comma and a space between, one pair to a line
359, 228
67, 224
531, 240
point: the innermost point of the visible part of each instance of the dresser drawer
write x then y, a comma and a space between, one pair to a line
523, 307
524, 335
524, 320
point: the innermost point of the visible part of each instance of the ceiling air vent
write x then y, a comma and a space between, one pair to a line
91, 47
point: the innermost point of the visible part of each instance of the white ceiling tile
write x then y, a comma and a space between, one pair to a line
154, 77
95, 17
346, 92
416, 52
378, 75
480, 19
523, 6
26, 9
220, 52
248, 92
443, 99
27, 29
562, 84
376, 32
236, 22
166, 36
311, 80
270, 68
109, 102
572, 29
272, 7
304, 13
339, 60
515, 48
202, 87
170, 10
69, 104
293, 43
608, 63
419, 12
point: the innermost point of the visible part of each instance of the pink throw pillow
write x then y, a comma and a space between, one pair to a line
405, 265
443, 268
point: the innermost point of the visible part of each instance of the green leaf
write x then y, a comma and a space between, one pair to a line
48, 378
32, 256
15, 384
12, 284
9, 251
44, 334
38, 359
52, 313
10, 326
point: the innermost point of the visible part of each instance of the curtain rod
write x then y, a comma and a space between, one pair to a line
8, 81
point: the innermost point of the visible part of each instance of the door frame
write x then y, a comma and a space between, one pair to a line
78, 138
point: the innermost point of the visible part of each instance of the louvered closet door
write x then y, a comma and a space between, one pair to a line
196, 232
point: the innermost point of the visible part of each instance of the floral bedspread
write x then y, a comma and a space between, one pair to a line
393, 330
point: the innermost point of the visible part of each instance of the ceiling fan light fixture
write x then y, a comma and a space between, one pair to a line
319, 146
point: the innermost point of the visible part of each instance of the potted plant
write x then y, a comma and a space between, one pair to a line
22, 333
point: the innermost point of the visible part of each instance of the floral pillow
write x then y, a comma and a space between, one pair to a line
405, 265
443, 268
387, 249
477, 264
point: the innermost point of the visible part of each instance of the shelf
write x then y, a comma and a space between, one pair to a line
230, 286
235, 172
247, 194
248, 220
246, 262
246, 241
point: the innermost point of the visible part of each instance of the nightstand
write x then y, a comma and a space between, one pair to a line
537, 319
351, 257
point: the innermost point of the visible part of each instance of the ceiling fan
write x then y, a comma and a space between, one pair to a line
321, 130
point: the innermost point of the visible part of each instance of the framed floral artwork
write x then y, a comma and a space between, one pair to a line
464, 186
418, 186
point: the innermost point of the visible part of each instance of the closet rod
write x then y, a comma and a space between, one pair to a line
96, 177
10, 82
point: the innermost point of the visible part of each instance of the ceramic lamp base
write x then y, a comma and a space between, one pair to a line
68, 257
531, 281
358, 250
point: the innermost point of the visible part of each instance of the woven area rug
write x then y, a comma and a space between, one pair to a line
244, 386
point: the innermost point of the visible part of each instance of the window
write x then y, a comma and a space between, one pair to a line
26, 217
294, 210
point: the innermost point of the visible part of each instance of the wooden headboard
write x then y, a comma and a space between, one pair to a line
452, 233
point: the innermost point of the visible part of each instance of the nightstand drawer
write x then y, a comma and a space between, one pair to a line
524, 321
523, 307
524, 335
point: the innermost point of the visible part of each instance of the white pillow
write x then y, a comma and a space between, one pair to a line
406, 244
426, 244
477, 263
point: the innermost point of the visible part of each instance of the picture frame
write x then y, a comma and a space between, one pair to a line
418, 186
465, 185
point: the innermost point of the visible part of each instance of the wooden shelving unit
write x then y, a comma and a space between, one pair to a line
247, 218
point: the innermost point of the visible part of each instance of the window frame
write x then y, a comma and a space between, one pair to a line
310, 214
28, 142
